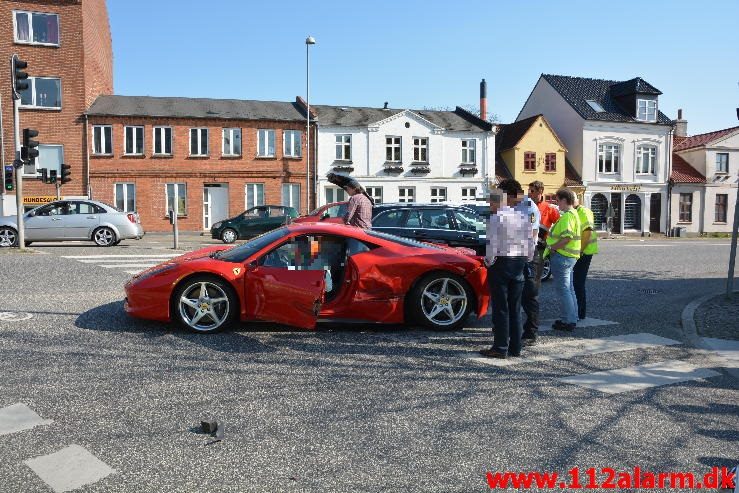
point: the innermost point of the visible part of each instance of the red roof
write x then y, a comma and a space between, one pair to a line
682, 143
682, 172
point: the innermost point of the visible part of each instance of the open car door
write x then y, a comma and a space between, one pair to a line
286, 296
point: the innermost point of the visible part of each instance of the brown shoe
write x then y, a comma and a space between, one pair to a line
492, 353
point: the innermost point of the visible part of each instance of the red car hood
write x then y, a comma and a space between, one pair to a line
203, 252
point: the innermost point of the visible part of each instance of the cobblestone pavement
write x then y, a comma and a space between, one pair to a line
719, 318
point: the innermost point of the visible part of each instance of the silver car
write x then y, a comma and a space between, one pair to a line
73, 220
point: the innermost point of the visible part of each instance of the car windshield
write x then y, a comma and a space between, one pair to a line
314, 212
401, 240
242, 252
469, 221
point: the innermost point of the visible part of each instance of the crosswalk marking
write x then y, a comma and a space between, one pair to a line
19, 417
69, 468
726, 350
129, 263
640, 377
163, 255
120, 266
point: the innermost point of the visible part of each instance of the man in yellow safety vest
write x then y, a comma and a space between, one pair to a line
563, 245
588, 248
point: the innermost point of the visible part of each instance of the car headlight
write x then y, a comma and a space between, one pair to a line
217, 225
153, 271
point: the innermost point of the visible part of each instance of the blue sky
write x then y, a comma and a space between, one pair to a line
418, 54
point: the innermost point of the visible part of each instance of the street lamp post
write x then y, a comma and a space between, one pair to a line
308, 42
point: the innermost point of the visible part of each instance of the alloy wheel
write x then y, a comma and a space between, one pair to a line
8, 237
204, 306
104, 237
444, 301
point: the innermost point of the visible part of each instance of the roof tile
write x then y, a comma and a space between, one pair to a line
682, 172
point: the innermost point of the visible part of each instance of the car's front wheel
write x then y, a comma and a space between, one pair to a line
8, 237
104, 237
204, 304
441, 301
229, 235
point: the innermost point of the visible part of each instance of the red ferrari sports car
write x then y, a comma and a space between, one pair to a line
304, 273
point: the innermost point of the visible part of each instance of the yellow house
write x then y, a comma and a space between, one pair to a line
530, 150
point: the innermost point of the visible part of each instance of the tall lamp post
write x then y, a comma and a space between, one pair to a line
308, 42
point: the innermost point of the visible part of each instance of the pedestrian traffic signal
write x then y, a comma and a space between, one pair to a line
52, 176
19, 76
65, 173
9, 178
29, 149
44, 175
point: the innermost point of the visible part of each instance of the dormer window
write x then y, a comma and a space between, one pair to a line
646, 110
595, 105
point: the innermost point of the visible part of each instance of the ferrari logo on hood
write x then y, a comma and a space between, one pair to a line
237, 271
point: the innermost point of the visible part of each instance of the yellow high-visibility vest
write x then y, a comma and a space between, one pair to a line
568, 227
587, 222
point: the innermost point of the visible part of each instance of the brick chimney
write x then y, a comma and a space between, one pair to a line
681, 126
483, 100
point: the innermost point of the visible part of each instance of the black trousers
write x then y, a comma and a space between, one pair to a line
506, 280
579, 276
530, 296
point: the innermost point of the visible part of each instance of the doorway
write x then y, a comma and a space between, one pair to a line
616, 209
655, 212
215, 204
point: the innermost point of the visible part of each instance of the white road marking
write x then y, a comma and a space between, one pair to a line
70, 468
76, 257
576, 348
640, 377
121, 266
119, 260
19, 417
725, 349
546, 325
134, 271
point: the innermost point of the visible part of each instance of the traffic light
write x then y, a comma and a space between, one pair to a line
9, 178
19, 76
65, 173
44, 175
52, 176
29, 150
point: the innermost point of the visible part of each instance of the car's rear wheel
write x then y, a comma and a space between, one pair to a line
229, 235
441, 301
546, 270
204, 304
8, 237
104, 237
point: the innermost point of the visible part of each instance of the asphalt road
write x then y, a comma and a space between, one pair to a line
352, 408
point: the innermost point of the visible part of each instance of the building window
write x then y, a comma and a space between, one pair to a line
125, 196
722, 162
177, 197
198, 141
343, 147
375, 193
406, 194
722, 201
595, 105
134, 144
529, 161
163, 141
420, 149
102, 139
265, 143
393, 149
608, 158
550, 162
36, 28
291, 195
686, 207
254, 195
42, 92
469, 194
646, 157
468, 151
291, 143
646, 110
50, 156
231, 142
334, 194
438, 194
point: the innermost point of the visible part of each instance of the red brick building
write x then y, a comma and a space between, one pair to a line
210, 158
67, 45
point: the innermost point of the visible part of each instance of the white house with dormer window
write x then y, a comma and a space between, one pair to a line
617, 140
404, 155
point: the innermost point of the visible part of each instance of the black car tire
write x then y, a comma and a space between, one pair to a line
8, 237
229, 235
214, 284
104, 237
546, 270
415, 300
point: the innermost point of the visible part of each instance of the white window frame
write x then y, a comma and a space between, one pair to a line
263, 133
396, 144
103, 141
404, 197
291, 195
642, 151
375, 193
467, 196
719, 171
289, 146
469, 149
231, 152
176, 194
32, 87
135, 140
257, 202
36, 164
650, 108
438, 195
602, 151
162, 129
30, 28
420, 144
343, 142
332, 195
200, 152
125, 195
